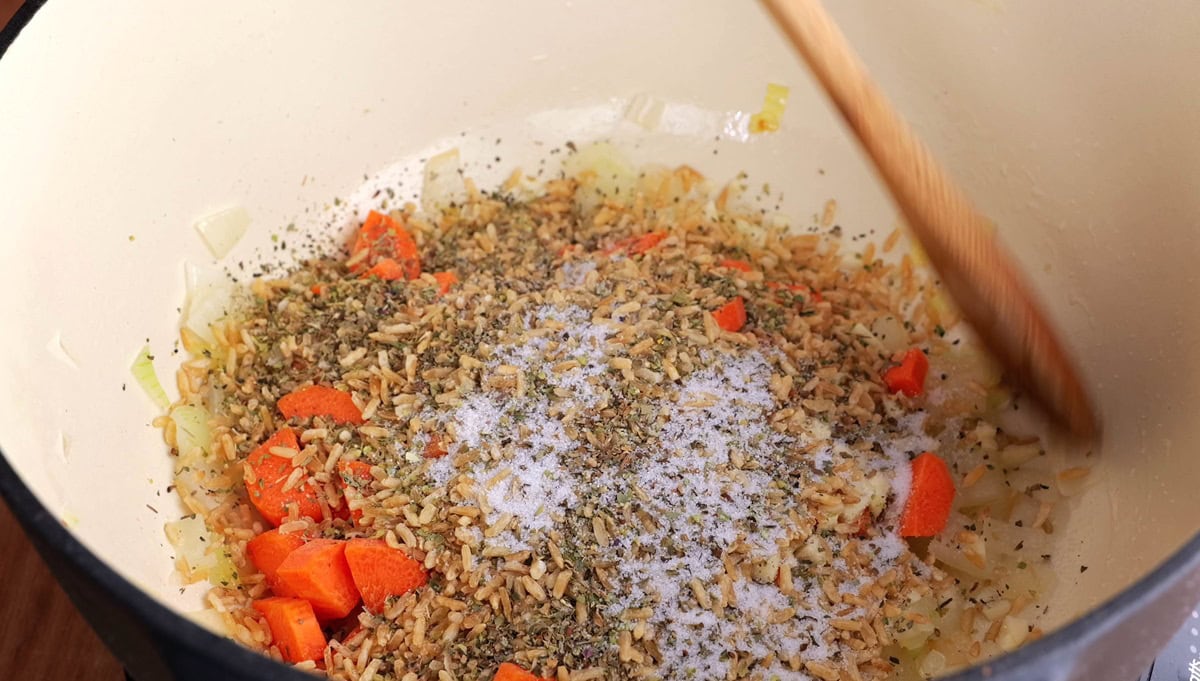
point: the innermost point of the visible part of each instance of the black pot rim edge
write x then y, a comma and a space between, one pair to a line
181, 631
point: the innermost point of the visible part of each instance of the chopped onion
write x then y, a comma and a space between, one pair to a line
998, 399
1013, 632
988, 488
604, 174
209, 294
954, 555
646, 111
969, 374
1024, 510
1014, 456
443, 184
222, 230
891, 334
933, 663
814, 551
872, 496
190, 537
774, 103
191, 429
951, 615
193, 492
996, 609
143, 373
201, 553
1017, 580
223, 572
917, 633
753, 234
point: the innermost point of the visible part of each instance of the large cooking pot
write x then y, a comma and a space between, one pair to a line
1075, 127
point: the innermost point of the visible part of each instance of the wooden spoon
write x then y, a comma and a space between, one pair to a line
977, 271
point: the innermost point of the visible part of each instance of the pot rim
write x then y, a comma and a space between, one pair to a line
180, 631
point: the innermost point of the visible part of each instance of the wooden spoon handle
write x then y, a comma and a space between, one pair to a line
960, 243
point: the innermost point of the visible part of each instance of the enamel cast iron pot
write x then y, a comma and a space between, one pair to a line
1075, 127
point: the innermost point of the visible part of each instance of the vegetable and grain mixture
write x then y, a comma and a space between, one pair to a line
575, 436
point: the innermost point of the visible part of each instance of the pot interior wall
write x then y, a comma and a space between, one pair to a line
124, 122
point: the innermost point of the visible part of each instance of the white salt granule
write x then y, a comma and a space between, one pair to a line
702, 503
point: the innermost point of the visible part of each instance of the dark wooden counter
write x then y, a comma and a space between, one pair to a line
42, 636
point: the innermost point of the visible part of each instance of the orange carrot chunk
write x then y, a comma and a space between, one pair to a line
320, 400
294, 628
356, 473
266, 475
380, 572
445, 280
909, 376
386, 269
434, 449
740, 265
356, 476
318, 573
646, 242
929, 498
268, 550
732, 315
511, 672
382, 237
636, 245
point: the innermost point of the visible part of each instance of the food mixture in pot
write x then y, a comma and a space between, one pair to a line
584, 433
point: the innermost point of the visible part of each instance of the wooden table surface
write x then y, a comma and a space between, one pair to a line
42, 636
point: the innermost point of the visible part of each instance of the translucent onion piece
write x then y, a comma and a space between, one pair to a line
209, 294
143, 373
774, 103
222, 230
443, 183
192, 431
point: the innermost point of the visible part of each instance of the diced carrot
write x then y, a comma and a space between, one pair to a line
357, 473
343, 513
732, 264
381, 572
382, 237
369, 240
636, 245
445, 280
434, 449
864, 523
266, 475
909, 376
320, 400
294, 628
356, 476
268, 550
511, 672
646, 242
318, 289
318, 573
929, 498
386, 269
732, 315
618, 246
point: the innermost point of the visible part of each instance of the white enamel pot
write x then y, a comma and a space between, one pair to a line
1076, 127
